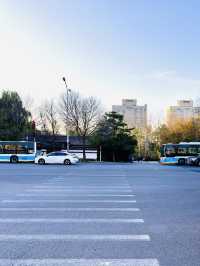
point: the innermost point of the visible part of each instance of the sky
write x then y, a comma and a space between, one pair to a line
111, 49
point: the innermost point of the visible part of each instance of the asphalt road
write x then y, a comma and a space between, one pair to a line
99, 215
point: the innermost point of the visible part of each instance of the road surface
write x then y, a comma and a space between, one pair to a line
99, 215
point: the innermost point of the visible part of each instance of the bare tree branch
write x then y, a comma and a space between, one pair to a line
48, 117
51, 116
80, 114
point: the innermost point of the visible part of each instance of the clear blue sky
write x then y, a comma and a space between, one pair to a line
111, 49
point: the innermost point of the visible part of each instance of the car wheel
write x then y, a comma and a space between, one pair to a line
181, 161
67, 162
41, 161
14, 159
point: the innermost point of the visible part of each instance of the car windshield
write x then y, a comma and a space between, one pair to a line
51, 154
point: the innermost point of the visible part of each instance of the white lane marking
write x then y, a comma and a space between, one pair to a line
78, 195
81, 187
107, 193
72, 209
78, 190
91, 175
79, 262
66, 201
59, 182
59, 179
47, 237
69, 220
49, 175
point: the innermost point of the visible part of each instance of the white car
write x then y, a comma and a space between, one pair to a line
58, 157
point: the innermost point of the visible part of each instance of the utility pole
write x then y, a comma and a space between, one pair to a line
67, 129
100, 151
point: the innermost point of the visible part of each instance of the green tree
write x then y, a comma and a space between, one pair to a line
15, 120
114, 137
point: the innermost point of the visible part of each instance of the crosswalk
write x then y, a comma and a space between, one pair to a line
80, 262
70, 222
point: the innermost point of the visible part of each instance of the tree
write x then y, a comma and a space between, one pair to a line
114, 137
48, 119
15, 120
80, 114
51, 114
42, 122
179, 131
28, 103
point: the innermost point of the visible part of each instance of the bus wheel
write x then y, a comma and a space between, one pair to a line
181, 161
14, 159
41, 161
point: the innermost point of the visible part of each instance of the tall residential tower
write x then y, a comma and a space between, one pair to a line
184, 110
134, 115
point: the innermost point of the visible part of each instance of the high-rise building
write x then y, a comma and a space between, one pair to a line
134, 115
184, 110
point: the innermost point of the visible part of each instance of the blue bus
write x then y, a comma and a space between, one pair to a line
17, 151
179, 154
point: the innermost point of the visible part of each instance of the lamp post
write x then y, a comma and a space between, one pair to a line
67, 130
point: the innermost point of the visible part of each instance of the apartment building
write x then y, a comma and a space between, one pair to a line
184, 110
134, 115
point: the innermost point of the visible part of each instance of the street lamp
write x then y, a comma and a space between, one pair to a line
68, 91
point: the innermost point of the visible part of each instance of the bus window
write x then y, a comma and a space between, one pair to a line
192, 150
21, 149
198, 149
1, 148
10, 148
182, 150
16, 148
170, 151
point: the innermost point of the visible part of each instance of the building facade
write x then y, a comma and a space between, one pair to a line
184, 110
134, 115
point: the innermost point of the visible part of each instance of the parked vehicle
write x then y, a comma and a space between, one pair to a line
58, 157
17, 151
180, 154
